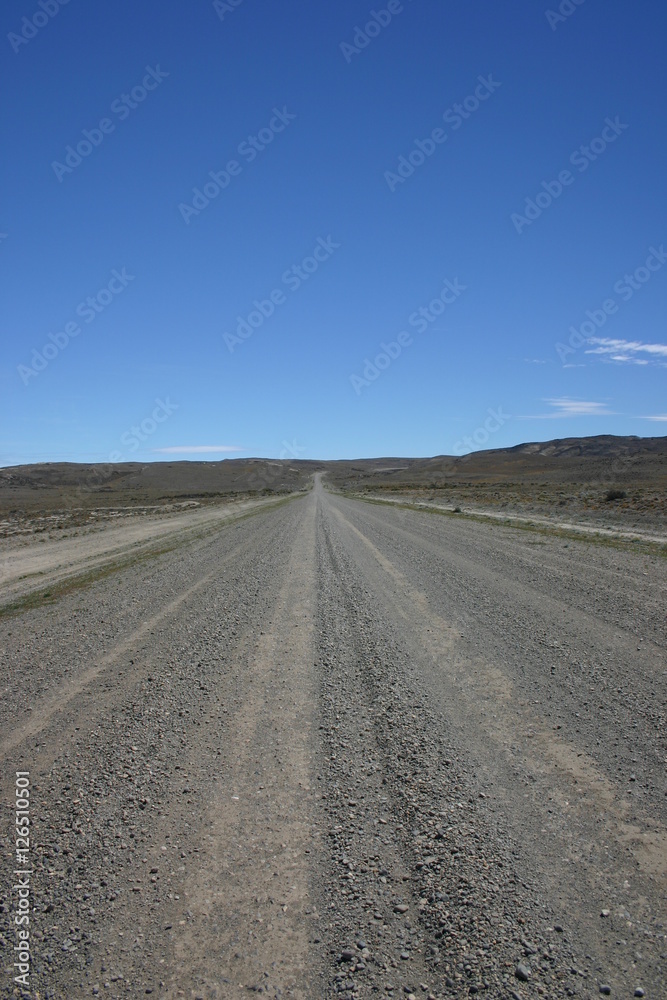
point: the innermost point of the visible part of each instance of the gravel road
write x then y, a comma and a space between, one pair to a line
29, 563
336, 749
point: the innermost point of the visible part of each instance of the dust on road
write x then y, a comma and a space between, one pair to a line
336, 749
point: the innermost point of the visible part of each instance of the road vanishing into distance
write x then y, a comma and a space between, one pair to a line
332, 748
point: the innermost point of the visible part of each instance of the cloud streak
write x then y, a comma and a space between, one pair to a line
566, 407
196, 449
626, 351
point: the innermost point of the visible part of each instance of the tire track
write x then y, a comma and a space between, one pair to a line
60, 704
568, 809
253, 882
312, 782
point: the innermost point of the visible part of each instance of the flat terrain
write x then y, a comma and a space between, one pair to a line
67, 555
603, 482
329, 748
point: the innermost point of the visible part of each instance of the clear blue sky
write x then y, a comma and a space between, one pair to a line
357, 189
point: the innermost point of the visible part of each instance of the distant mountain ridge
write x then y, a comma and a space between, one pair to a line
601, 458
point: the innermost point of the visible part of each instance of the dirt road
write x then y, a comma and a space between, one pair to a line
338, 749
30, 563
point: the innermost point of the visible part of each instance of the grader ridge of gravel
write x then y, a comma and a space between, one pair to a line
344, 750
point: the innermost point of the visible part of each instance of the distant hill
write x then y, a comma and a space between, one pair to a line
81, 484
604, 458
571, 460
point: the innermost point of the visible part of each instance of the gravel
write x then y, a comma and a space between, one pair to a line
334, 750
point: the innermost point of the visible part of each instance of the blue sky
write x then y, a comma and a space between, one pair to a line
330, 230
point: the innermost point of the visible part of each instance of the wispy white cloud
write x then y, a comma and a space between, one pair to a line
566, 407
626, 351
657, 416
196, 449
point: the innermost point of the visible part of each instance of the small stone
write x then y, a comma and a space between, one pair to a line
401, 908
604, 913
347, 955
639, 992
522, 972
605, 989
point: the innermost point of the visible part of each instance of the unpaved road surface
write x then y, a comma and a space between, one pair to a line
29, 564
557, 522
343, 750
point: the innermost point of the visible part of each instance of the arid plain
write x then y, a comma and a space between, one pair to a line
311, 729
